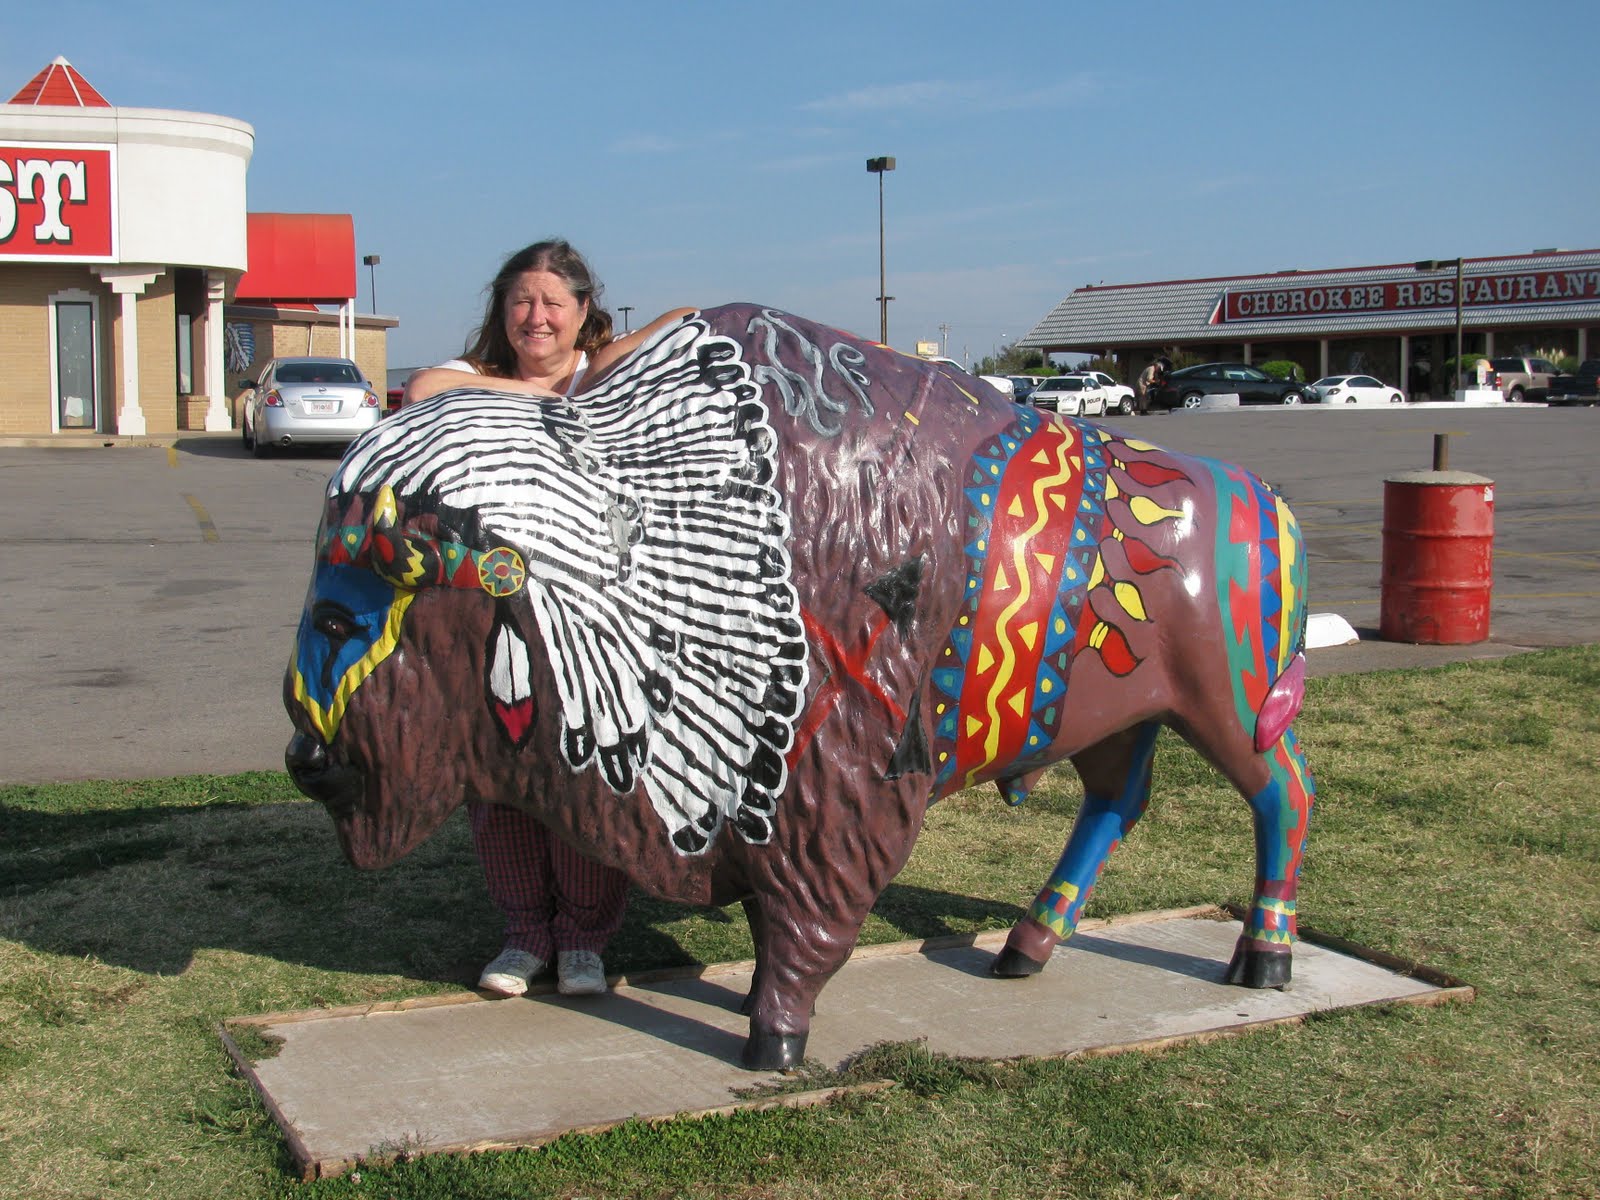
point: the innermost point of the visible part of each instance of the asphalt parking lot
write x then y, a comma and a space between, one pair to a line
152, 592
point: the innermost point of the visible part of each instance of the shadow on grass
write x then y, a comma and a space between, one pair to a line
147, 888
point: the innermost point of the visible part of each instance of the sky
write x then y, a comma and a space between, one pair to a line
705, 153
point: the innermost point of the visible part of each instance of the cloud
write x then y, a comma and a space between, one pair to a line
973, 97
805, 162
646, 143
883, 97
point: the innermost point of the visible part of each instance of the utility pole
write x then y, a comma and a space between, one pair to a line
878, 167
370, 261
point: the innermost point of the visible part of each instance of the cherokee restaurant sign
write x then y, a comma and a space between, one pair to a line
1523, 287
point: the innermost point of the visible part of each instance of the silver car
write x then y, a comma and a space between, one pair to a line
307, 402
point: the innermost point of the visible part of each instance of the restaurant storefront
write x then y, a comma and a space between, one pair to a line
1399, 322
124, 237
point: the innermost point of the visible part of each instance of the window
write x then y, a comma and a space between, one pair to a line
185, 354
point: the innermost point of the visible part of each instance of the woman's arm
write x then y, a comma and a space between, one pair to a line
430, 381
609, 355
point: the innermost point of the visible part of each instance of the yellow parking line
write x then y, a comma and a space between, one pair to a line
172, 456
207, 529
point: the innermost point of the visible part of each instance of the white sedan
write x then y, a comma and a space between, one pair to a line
1353, 389
1074, 395
1119, 396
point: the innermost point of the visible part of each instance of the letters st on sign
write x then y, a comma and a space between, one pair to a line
57, 202
1517, 287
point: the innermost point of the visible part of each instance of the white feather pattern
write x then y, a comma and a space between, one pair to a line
658, 563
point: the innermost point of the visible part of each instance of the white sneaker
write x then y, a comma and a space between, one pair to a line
579, 973
509, 973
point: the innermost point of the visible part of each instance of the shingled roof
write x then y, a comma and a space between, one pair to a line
61, 85
1184, 311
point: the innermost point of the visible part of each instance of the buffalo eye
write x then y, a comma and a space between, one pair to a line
334, 622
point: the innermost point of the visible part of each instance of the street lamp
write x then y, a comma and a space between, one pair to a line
369, 261
878, 166
1439, 264
624, 309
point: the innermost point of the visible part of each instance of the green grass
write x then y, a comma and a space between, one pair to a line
1457, 824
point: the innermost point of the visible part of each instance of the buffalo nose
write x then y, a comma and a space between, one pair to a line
305, 754
336, 786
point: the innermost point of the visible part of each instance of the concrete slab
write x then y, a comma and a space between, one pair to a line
464, 1073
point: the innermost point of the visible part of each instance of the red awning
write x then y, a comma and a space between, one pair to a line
59, 84
299, 258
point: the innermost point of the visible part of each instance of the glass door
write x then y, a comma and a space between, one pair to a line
75, 365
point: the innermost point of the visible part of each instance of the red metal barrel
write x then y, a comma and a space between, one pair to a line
1438, 557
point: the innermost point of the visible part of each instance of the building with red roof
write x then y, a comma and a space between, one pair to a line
1398, 321
136, 283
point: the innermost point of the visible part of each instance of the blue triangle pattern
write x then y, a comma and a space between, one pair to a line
948, 680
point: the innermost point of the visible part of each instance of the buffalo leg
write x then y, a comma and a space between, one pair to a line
1116, 789
796, 953
1281, 811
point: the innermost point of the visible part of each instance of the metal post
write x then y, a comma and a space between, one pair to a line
878, 166
624, 309
883, 284
371, 261
1458, 326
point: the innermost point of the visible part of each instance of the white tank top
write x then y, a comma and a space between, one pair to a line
578, 372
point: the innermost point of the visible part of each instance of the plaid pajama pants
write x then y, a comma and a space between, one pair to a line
553, 898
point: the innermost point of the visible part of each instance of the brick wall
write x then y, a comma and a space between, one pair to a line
25, 346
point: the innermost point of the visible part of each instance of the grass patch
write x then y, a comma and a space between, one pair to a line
1456, 824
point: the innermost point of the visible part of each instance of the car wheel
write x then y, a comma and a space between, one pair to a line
1125, 406
244, 432
1295, 398
1192, 399
1516, 395
259, 447
1396, 398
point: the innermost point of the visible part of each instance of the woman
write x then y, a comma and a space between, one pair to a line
543, 334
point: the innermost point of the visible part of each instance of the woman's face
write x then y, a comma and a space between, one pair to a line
543, 318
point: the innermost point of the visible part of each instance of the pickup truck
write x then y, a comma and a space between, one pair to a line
1523, 378
1581, 388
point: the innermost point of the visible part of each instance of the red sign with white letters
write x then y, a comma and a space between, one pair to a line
57, 202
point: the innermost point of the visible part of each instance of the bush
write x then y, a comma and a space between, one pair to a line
1109, 365
1282, 368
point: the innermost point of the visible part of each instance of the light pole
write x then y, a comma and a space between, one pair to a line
370, 261
624, 309
878, 166
1437, 264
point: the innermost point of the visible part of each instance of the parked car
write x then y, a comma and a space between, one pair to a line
1582, 388
1001, 384
1022, 387
1119, 396
307, 402
1187, 386
1523, 378
1352, 389
1075, 395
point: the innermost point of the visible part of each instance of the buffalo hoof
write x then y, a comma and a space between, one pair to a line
765, 1051
1259, 968
1012, 963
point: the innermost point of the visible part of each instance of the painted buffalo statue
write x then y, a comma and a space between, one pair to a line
734, 618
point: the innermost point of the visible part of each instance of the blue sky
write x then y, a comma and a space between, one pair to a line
702, 153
